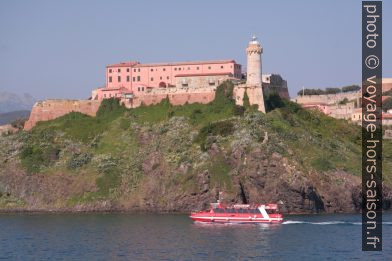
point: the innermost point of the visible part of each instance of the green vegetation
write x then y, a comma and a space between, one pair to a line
387, 93
344, 101
122, 153
329, 90
387, 104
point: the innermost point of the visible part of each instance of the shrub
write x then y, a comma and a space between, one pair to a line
109, 180
19, 123
322, 164
33, 157
387, 104
222, 128
344, 101
77, 160
110, 106
273, 101
238, 110
245, 100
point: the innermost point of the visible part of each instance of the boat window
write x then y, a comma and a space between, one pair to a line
271, 211
257, 211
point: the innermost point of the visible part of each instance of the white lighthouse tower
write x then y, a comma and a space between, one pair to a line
253, 86
253, 53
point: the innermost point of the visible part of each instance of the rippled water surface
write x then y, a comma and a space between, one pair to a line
176, 237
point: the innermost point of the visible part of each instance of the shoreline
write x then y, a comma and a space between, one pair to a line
128, 211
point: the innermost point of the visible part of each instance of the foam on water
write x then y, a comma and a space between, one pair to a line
288, 222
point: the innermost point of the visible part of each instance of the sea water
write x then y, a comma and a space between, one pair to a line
119, 236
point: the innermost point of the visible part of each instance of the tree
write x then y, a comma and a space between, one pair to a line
245, 101
387, 104
351, 88
387, 93
332, 90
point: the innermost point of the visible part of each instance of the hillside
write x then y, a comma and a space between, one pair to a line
9, 117
14, 102
178, 158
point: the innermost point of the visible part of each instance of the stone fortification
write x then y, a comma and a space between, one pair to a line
52, 109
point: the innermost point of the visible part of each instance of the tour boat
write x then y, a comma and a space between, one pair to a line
239, 213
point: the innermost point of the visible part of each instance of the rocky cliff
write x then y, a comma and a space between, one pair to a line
178, 158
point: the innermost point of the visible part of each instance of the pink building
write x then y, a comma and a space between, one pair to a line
131, 79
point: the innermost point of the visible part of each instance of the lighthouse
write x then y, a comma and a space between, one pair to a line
253, 86
253, 54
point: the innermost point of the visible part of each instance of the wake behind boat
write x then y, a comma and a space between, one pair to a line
239, 213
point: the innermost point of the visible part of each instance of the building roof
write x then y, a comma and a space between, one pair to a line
120, 89
124, 64
202, 74
137, 64
387, 116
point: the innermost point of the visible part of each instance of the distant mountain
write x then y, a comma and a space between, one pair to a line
9, 117
13, 102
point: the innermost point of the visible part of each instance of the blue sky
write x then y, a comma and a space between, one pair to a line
59, 49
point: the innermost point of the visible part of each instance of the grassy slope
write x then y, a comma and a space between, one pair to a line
108, 147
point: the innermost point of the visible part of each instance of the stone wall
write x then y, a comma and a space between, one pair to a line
255, 94
326, 98
176, 97
52, 109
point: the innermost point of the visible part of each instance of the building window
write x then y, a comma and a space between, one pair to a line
119, 70
104, 95
221, 66
189, 68
138, 78
133, 79
179, 69
152, 69
209, 67
119, 78
138, 70
160, 78
167, 77
138, 89
152, 79
175, 68
110, 78
164, 69
134, 70
127, 69
128, 77
197, 68
143, 89
110, 70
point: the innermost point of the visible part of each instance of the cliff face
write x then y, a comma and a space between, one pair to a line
52, 109
165, 158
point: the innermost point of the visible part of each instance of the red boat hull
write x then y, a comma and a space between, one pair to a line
239, 218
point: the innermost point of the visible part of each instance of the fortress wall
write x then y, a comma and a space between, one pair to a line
175, 97
255, 95
326, 98
52, 109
